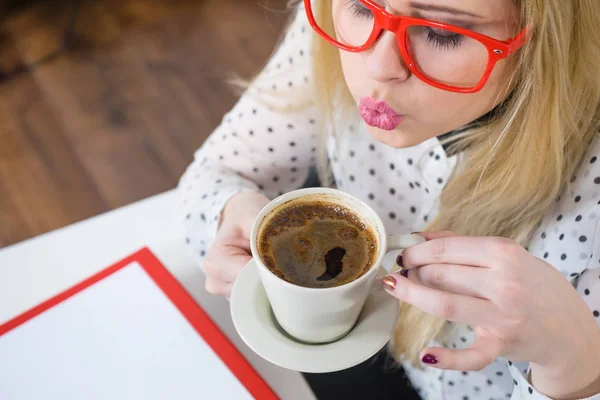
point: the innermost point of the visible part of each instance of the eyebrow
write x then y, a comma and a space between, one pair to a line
448, 10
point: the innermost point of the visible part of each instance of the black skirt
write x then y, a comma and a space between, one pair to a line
378, 378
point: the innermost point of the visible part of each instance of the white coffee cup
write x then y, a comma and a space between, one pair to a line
321, 315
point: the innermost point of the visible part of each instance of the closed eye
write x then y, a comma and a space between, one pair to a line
358, 9
442, 38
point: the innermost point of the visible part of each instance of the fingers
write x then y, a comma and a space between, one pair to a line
217, 288
224, 266
223, 263
230, 251
473, 251
449, 306
458, 279
229, 265
475, 358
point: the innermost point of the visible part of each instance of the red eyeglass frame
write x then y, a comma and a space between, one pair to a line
397, 24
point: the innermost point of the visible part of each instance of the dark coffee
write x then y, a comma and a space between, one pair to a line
316, 243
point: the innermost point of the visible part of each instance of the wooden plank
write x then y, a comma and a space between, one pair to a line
45, 183
101, 128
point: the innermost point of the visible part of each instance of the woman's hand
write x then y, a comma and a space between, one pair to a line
230, 251
523, 309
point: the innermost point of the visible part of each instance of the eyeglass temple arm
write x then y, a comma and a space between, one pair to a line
518, 41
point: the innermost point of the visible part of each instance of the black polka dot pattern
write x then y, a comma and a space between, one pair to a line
258, 148
567, 239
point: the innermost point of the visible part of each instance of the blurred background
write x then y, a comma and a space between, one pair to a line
103, 102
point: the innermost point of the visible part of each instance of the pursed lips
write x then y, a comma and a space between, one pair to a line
379, 114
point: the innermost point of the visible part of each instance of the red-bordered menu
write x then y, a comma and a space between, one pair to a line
188, 307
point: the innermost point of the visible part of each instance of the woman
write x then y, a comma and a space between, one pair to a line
474, 121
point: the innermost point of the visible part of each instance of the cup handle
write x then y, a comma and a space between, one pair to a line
401, 242
394, 243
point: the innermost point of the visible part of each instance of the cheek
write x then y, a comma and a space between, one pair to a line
354, 73
467, 107
463, 65
443, 111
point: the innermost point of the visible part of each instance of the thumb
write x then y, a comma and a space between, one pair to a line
228, 255
233, 258
436, 235
238, 262
481, 353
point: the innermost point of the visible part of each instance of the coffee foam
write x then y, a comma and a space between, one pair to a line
295, 239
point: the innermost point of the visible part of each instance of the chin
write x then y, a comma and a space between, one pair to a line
398, 138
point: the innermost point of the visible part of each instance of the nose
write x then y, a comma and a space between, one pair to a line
384, 61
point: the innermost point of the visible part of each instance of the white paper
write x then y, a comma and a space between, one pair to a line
121, 338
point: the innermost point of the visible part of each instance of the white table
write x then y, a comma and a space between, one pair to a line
36, 269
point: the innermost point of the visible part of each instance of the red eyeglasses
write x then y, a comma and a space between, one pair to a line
445, 56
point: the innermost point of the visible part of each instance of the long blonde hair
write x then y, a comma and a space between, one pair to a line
511, 169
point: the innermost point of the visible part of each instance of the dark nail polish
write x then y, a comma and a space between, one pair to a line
404, 273
399, 261
429, 359
389, 282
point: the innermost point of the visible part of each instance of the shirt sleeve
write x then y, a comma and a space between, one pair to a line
588, 287
266, 143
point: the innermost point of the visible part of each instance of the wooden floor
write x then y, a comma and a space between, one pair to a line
97, 130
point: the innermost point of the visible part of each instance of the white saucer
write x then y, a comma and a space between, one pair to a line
256, 324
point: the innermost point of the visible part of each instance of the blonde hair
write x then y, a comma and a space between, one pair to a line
511, 169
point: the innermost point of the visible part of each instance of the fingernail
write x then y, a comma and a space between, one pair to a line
415, 233
399, 261
389, 282
404, 273
429, 359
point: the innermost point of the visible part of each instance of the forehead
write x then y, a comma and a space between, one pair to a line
491, 10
